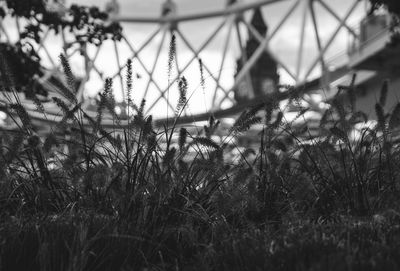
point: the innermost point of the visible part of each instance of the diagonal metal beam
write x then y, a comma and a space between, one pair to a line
318, 40
302, 35
42, 40
153, 68
243, 56
262, 47
284, 18
136, 55
196, 53
134, 52
196, 56
330, 10
332, 38
119, 65
225, 50
89, 66
233, 9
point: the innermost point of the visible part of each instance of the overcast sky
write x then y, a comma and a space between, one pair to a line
285, 44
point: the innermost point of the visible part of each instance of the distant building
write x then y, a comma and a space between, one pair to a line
168, 8
112, 8
264, 76
375, 57
57, 6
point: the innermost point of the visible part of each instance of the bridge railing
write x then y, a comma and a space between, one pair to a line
230, 18
371, 28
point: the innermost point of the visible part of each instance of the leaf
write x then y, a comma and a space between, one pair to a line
140, 112
151, 142
324, 118
183, 86
211, 120
301, 130
70, 114
22, 114
61, 104
339, 133
383, 93
340, 109
380, 114
358, 117
351, 92
255, 109
182, 138
16, 144
278, 120
104, 99
394, 121
249, 151
242, 175
212, 126
148, 126
280, 145
270, 106
301, 112
114, 141
206, 142
202, 81
171, 54
129, 81
39, 105
169, 156
49, 142
69, 93
245, 121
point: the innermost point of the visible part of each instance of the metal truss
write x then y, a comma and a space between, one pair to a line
233, 25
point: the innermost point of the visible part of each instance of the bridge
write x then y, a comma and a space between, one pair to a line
317, 63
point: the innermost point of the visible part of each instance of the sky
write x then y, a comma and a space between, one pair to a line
284, 45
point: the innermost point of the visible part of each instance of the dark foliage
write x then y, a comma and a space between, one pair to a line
24, 65
86, 198
88, 24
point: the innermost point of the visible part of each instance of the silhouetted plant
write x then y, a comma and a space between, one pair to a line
85, 197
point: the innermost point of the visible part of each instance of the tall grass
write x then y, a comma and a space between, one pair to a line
136, 198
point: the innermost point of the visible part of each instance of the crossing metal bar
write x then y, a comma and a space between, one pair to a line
302, 34
225, 50
330, 10
318, 40
196, 55
136, 55
243, 55
208, 40
134, 52
153, 68
260, 49
332, 38
263, 46
234, 9
119, 65
301, 74
43, 40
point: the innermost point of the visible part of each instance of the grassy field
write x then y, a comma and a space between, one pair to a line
137, 199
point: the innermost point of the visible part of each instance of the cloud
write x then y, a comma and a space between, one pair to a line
285, 44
